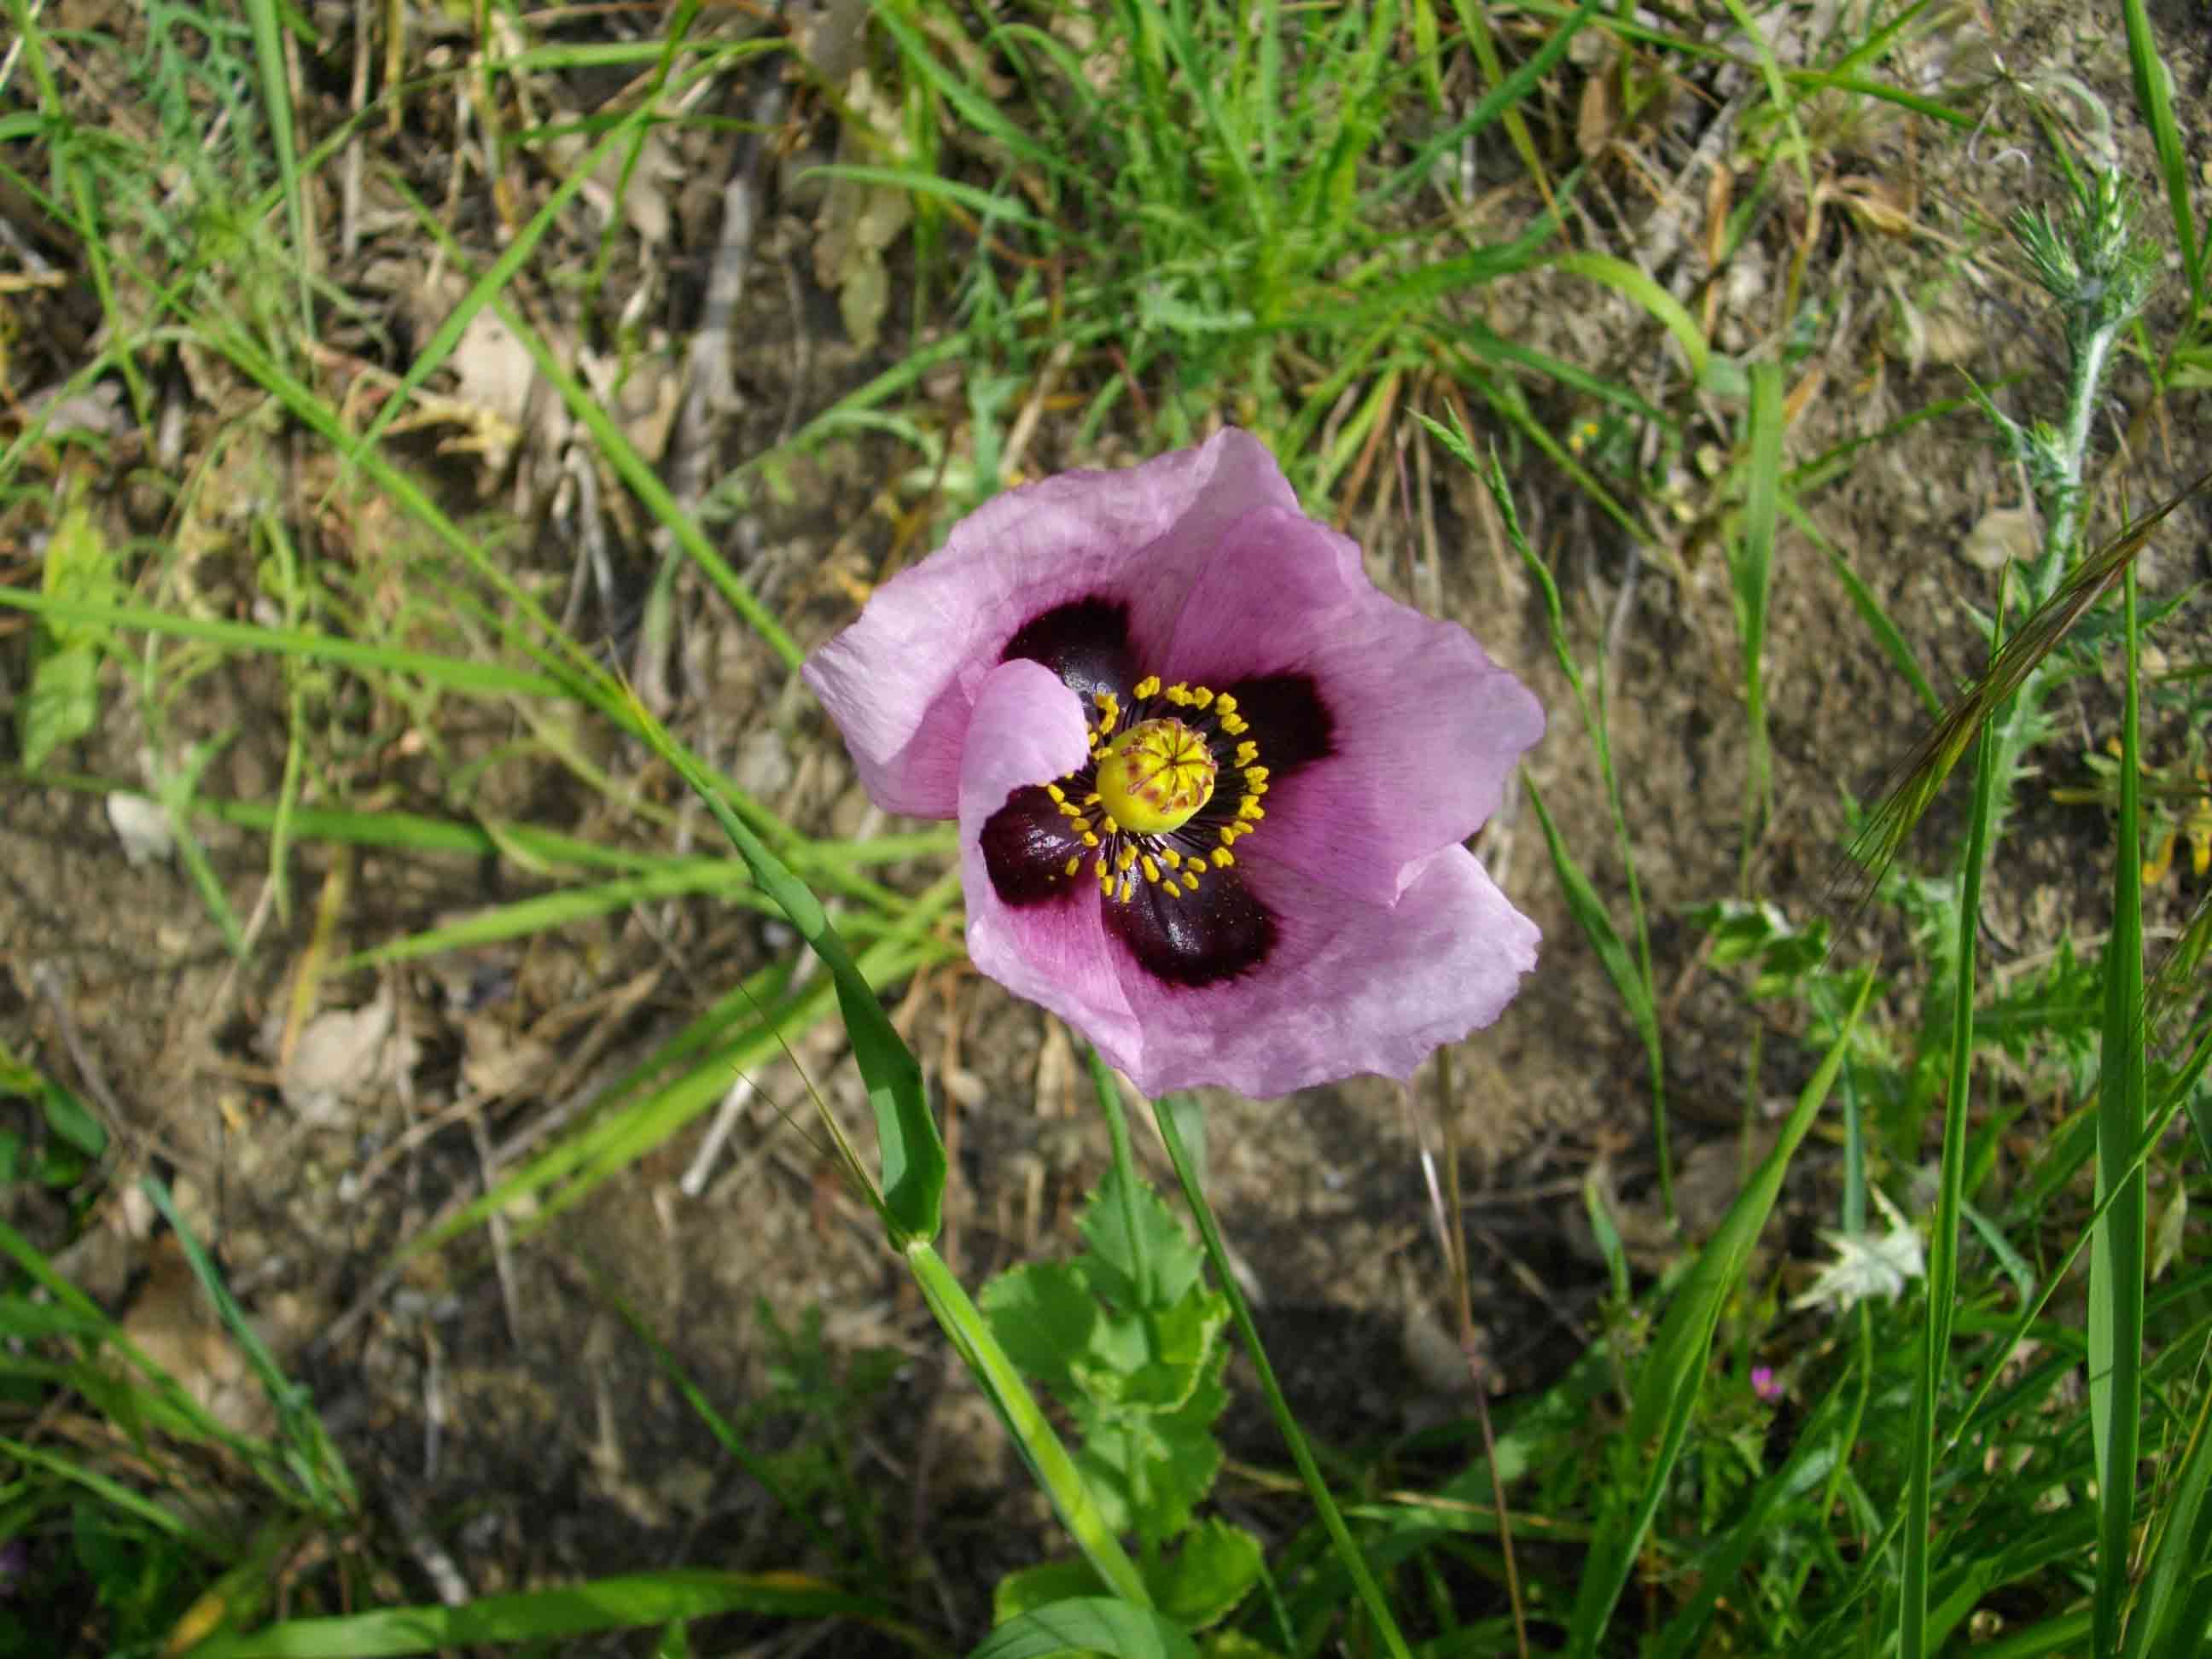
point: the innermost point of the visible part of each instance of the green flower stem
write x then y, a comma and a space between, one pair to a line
1048, 1459
1125, 1162
1348, 1550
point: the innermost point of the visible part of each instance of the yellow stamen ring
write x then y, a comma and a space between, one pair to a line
1145, 781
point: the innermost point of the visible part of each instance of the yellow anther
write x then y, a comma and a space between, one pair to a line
1126, 857
1170, 857
1200, 697
1074, 864
1149, 686
1222, 858
1077, 822
1189, 880
1228, 834
1234, 725
1178, 694
1056, 793
1126, 888
1228, 704
1152, 871
1091, 838
1249, 807
1246, 752
1255, 774
1112, 828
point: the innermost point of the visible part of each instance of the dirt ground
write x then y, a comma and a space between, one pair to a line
492, 1395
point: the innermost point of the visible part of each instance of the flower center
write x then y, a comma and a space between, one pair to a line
1143, 804
1156, 776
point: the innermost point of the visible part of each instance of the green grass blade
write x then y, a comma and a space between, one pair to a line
1033, 1434
762, 1470
113, 1493
1505, 95
631, 1602
1886, 634
1672, 1375
911, 1150
321, 1472
2116, 1254
2155, 99
1663, 308
439, 347
1943, 1246
456, 673
2164, 1624
1590, 915
276, 108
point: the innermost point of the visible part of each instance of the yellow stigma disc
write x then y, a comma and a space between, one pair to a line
1154, 777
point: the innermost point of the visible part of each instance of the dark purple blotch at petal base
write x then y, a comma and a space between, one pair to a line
1200, 938
1026, 846
1288, 720
1084, 642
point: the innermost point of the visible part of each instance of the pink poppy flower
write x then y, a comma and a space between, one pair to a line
1211, 785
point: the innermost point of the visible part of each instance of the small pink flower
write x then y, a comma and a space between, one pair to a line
1763, 1382
1211, 785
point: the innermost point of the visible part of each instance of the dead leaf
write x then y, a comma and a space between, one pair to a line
2009, 533
340, 1052
142, 826
858, 221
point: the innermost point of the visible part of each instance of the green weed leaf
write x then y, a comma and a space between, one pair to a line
66, 1114
1031, 1588
1098, 1625
63, 699
1205, 1579
1155, 1466
62, 703
1158, 1243
1045, 1316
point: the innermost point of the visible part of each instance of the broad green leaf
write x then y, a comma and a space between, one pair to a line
1162, 1246
63, 700
62, 703
1098, 1625
1154, 1362
79, 569
1031, 1587
1046, 1318
1154, 1467
1203, 1580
